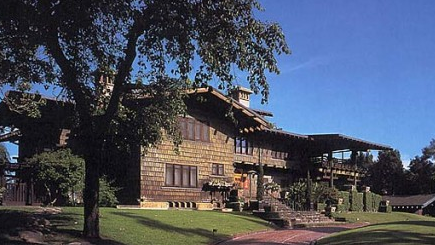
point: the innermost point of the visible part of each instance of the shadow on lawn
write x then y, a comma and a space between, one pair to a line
378, 234
152, 223
12, 222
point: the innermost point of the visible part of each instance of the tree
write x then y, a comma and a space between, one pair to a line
422, 171
364, 160
4, 159
4, 155
420, 177
429, 151
386, 173
70, 45
57, 174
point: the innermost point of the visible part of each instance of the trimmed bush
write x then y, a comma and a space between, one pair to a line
384, 208
341, 208
356, 202
346, 202
377, 199
368, 201
321, 207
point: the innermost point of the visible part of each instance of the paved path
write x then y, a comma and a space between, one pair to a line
290, 236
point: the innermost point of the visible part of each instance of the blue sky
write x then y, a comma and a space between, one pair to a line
361, 68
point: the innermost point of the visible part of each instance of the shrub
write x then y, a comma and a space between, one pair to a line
356, 201
341, 208
368, 201
321, 207
107, 196
384, 208
377, 199
346, 202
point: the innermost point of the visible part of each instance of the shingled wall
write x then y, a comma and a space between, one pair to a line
219, 150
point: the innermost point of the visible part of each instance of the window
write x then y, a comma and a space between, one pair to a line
217, 169
192, 129
181, 175
243, 146
279, 154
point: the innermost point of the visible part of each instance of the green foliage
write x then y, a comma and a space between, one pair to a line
368, 201
364, 160
377, 199
386, 174
384, 208
157, 227
346, 202
2, 191
321, 207
57, 174
428, 152
107, 197
329, 194
271, 186
421, 175
341, 208
356, 203
385, 228
297, 195
4, 155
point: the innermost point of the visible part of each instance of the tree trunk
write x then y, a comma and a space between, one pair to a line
91, 227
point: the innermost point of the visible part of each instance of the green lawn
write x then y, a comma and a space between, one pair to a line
158, 227
393, 228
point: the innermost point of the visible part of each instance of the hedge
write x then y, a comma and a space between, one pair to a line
377, 199
356, 202
321, 207
341, 208
385, 209
368, 201
346, 202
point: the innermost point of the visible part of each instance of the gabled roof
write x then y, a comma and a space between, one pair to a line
249, 120
287, 134
248, 112
414, 200
319, 143
334, 142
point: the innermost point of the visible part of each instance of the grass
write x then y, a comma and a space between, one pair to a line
157, 227
386, 228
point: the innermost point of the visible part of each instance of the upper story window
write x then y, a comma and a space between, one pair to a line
217, 169
279, 154
243, 146
192, 129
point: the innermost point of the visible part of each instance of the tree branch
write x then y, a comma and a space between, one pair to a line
70, 74
124, 67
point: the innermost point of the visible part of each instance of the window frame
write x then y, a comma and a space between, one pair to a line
280, 155
181, 180
194, 130
218, 169
243, 146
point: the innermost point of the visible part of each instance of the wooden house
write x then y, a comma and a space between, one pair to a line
225, 143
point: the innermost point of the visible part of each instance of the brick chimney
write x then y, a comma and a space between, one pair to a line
241, 95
